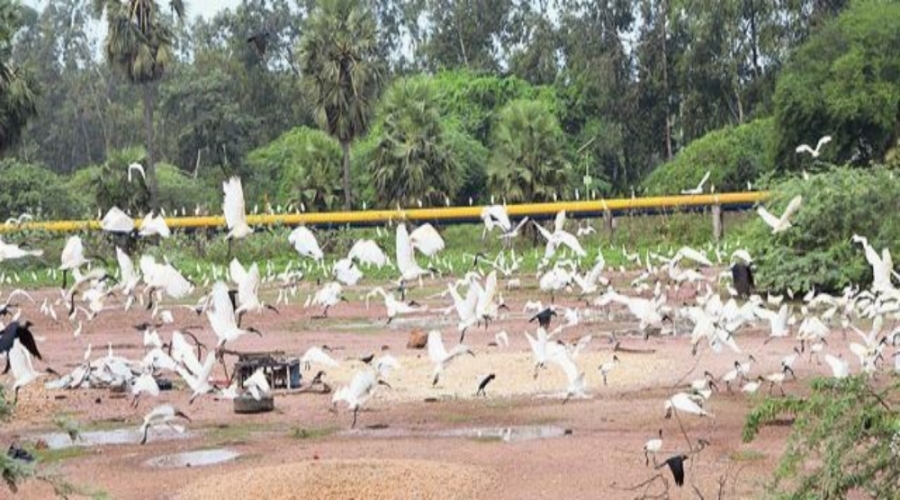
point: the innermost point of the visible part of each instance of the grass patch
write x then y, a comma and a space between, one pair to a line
747, 456
48, 456
312, 433
228, 434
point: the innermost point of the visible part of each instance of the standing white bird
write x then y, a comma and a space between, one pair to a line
652, 446
328, 296
235, 211
359, 391
162, 415
805, 148
783, 223
439, 355
699, 188
305, 243
72, 256
117, 221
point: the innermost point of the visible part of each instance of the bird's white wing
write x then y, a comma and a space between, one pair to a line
768, 218
824, 140
558, 355
117, 221
436, 351
305, 243
317, 355
804, 148
546, 234
694, 255
233, 206
704, 179
426, 239
405, 258
368, 252
249, 286
560, 222
792, 207
126, 266
237, 271
568, 239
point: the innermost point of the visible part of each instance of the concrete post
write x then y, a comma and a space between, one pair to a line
718, 225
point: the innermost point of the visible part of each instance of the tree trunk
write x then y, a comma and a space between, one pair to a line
345, 145
148, 90
665, 57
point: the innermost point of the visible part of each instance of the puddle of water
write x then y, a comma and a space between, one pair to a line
59, 440
506, 434
197, 458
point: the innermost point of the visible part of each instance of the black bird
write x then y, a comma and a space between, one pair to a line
16, 453
742, 276
21, 331
260, 40
676, 465
367, 359
484, 383
543, 318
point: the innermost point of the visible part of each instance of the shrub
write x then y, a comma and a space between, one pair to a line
177, 190
817, 251
36, 190
732, 155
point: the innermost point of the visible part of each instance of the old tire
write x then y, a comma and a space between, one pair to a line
246, 404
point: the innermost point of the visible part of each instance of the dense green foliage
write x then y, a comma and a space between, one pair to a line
734, 156
527, 162
35, 190
844, 82
413, 160
17, 99
817, 251
845, 440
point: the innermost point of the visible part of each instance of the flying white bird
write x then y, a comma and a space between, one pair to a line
804, 148
439, 355
426, 239
162, 415
783, 223
9, 251
699, 188
155, 225
367, 252
139, 168
235, 212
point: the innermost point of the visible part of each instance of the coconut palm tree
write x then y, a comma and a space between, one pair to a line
139, 42
413, 159
341, 71
17, 95
526, 163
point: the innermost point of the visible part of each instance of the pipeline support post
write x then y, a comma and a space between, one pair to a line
718, 223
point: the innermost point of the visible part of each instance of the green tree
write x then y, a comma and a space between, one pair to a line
843, 82
465, 33
341, 72
413, 160
139, 42
527, 163
17, 95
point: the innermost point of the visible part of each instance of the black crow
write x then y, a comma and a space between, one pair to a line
676, 465
543, 318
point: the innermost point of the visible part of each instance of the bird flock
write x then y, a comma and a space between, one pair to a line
682, 293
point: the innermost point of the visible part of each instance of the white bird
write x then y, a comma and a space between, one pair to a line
328, 296
406, 262
22, 369
367, 252
805, 148
234, 210
305, 243
652, 446
683, 402
346, 272
72, 256
440, 356
221, 317
198, 381
9, 251
257, 384
392, 305
117, 221
839, 367
882, 266
128, 279
426, 239
607, 367
783, 223
316, 354
699, 188
136, 167
558, 355
155, 225
161, 415
495, 216
358, 392
164, 277
144, 384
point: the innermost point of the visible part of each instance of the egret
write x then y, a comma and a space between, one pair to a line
316, 354
369, 253
652, 446
136, 167
699, 188
18, 359
305, 243
607, 367
117, 221
72, 256
235, 212
805, 148
439, 355
9, 251
359, 391
162, 415
426, 239
684, 403
783, 223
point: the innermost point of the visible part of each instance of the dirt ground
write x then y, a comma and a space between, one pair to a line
413, 440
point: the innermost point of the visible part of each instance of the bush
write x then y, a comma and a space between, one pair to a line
303, 165
817, 251
36, 190
732, 155
109, 187
177, 190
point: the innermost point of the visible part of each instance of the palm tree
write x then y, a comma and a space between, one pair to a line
338, 59
17, 94
413, 159
139, 42
526, 163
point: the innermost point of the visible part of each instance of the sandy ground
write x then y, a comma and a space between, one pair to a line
414, 440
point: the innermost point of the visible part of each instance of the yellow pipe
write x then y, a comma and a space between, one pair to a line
444, 213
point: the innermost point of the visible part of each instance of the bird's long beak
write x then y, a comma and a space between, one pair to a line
179, 413
382, 382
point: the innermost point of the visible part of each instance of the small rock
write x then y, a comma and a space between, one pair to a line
418, 339
40, 444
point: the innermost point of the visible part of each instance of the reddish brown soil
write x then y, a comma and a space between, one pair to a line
601, 455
